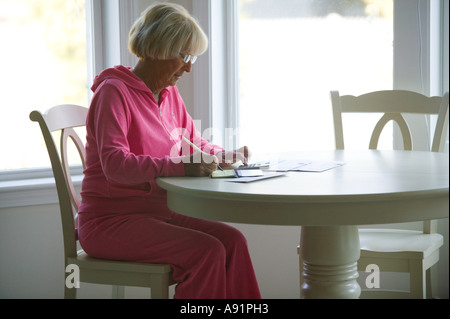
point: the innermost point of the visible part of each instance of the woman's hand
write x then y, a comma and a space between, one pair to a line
231, 157
200, 164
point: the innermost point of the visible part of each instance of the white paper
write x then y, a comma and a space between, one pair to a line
254, 178
287, 165
318, 166
304, 166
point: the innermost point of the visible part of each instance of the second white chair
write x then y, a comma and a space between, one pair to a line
393, 250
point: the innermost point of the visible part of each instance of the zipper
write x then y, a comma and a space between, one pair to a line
165, 128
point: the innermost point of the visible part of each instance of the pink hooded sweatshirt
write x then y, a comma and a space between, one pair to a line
131, 141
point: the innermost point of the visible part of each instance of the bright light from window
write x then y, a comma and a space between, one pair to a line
293, 53
43, 64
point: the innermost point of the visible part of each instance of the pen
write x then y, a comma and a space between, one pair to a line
195, 147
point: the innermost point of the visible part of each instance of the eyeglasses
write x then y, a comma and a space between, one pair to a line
188, 57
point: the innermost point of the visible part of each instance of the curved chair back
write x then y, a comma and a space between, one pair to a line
393, 103
64, 118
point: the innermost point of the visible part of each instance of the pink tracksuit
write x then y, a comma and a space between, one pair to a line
131, 140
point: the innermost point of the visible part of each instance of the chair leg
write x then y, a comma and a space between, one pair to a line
70, 293
417, 280
432, 283
160, 287
300, 261
118, 292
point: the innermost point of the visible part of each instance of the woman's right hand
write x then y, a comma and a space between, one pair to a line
198, 165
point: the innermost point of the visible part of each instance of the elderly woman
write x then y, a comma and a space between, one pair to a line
134, 135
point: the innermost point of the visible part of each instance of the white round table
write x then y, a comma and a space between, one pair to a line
373, 187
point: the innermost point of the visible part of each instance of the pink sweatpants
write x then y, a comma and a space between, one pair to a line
209, 259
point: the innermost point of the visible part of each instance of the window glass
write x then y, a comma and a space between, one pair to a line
293, 53
43, 64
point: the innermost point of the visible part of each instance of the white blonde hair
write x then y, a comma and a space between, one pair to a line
164, 31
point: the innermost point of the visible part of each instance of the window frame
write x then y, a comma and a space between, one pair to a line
107, 23
419, 61
216, 90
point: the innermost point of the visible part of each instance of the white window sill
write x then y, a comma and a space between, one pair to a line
19, 189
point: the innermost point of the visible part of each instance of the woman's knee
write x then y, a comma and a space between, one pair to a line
233, 238
209, 247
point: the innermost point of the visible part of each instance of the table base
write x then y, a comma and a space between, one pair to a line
329, 257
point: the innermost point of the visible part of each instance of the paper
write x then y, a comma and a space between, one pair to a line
223, 174
304, 165
231, 173
287, 165
318, 166
254, 178
248, 173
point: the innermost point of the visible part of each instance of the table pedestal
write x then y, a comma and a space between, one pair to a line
329, 256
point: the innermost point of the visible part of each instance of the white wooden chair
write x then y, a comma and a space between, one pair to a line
158, 277
398, 250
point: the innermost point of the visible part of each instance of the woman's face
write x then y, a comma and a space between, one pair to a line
168, 72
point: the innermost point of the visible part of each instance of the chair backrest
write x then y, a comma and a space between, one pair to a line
392, 104
64, 118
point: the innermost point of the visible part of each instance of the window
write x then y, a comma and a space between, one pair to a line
292, 53
56, 49
44, 64
417, 61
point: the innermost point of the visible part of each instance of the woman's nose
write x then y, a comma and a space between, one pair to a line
188, 66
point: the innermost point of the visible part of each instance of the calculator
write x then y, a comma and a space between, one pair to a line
253, 166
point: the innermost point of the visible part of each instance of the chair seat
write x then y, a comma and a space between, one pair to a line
88, 262
407, 243
121, 273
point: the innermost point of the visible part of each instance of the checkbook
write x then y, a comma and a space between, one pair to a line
244, 176
236, 173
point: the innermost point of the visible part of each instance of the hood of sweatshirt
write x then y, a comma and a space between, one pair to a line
121, 73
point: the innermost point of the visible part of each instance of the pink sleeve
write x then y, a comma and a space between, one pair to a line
110, 121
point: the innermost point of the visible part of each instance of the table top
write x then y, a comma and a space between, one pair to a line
373, 187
